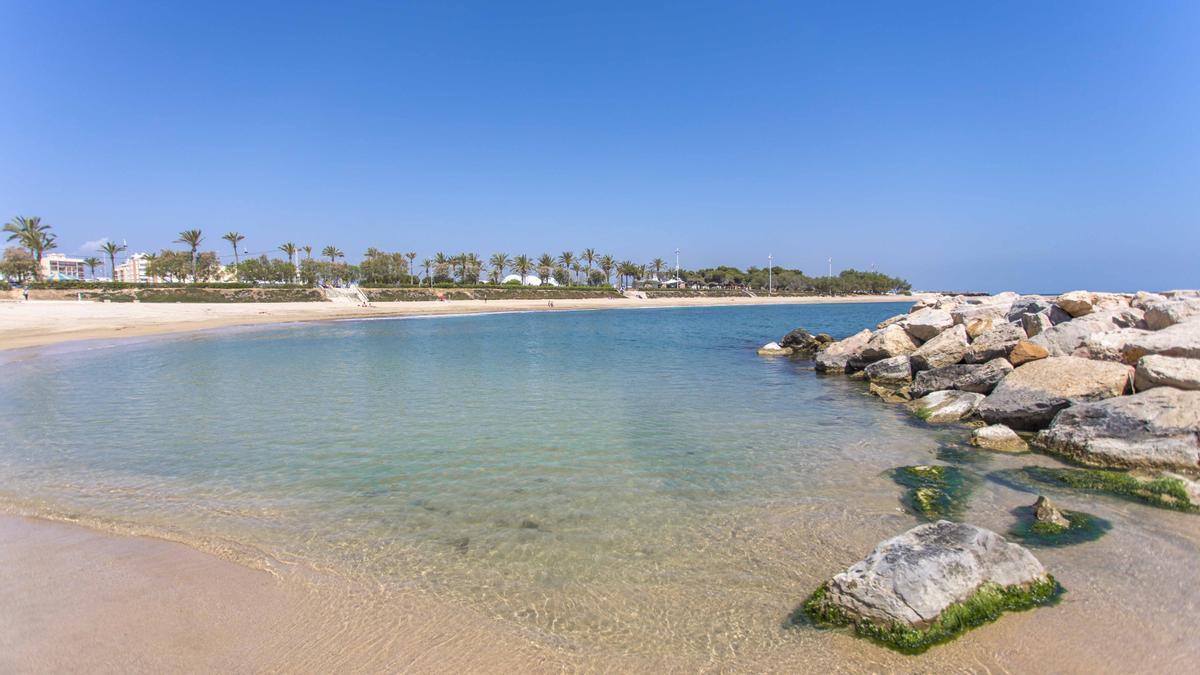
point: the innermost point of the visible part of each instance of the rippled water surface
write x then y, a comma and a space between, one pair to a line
639, 480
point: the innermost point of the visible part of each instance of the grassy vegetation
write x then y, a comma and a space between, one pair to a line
493, 292
1167, 493
935, 491
985, 606
1083, 527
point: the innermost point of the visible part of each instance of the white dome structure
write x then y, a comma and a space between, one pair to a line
511, 278
532, 280
551, 281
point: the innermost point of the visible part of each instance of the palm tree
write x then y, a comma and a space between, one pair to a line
411, 255
151, 258
545, 265
31, 234
658, 265
234, 238
589, 257
567, 259
112, 248
577, 269
92, 263
439, 264
499, 263
291, 250
333, 252
307, 251
521, 265
427, 263
606, 265
192, 238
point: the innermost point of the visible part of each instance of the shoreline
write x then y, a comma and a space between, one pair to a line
41, 323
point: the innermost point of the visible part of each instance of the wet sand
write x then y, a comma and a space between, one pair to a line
45, 322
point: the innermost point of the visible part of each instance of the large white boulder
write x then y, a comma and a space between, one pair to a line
942, 407
927, 323
1166, 312
836, 357
1062, 339
1080, 303
1181, 339
894, 371
980, 378
995, 343
912, 578
889, 342
998, 437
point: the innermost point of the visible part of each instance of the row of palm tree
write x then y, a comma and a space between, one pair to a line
35, 236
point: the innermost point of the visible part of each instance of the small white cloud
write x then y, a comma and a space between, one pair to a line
90, 247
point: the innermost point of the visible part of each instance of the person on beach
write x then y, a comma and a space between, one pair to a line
25, 293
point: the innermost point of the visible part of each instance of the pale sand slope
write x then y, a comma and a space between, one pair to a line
76, 600
30, 324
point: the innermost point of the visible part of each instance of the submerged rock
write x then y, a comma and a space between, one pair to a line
1045, 511
945, 349
1030, 396
935, 491
980, 378
1159, 428
998, 437
942, 407
837, 356
900, 593
1167, 371
1163, 489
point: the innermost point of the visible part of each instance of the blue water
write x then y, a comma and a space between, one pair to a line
630, 476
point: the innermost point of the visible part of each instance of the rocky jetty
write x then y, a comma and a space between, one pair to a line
931, 583
1108, 379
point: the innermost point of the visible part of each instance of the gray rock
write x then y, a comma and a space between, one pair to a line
1028, 304
1109, 345
997, 312
942, 407
1036, 323
1167, 371
1182, 339
801, 341
890, 371
1159, 428
773, 349
1030, 396
980, 378
995, 343
899, 318
1167, 312
1062, 339
945, 349
914, 577
889, 342
836, 357
998, 437
927, 323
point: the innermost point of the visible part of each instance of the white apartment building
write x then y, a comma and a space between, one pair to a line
59, 267
133, 270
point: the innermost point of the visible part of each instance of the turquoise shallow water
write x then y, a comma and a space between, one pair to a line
638, 479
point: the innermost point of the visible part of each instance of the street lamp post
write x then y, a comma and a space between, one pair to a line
831, 276
677, 263
770, 275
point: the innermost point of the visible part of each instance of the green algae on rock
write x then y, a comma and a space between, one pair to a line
935, 490
1082, 527
985, 606
1162, 491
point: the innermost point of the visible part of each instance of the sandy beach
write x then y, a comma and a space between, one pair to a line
38, 323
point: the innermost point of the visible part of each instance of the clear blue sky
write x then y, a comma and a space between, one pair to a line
1038, 146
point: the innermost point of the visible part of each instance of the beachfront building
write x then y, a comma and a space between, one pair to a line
133, 270
59, 267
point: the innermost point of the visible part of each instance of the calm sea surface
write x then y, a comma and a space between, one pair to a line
636, 479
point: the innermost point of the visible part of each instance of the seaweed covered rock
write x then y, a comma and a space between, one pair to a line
1158, 428
930, 584
945, 349
1044, 511
935, 491
980, 378
1030, 396
837, 356
1044, 524
942, 407
1164, 489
